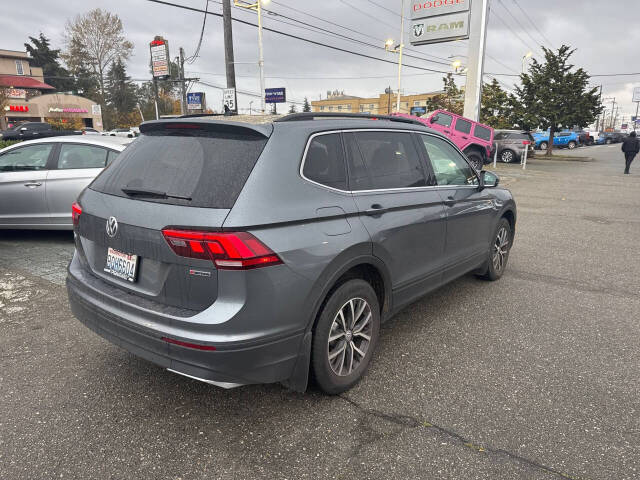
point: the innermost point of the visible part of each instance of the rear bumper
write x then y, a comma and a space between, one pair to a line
231, 364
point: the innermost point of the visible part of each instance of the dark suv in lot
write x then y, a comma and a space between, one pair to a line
237, 254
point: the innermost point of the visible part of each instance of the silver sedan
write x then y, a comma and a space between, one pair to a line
40, 179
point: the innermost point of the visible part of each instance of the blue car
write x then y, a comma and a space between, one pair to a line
568, 140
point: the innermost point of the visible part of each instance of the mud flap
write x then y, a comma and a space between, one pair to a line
300, 376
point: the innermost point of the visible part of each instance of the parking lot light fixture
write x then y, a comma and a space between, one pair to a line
524, 61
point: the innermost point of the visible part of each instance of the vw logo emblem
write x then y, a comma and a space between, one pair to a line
112, 227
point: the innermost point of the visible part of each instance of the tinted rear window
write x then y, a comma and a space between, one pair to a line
482, 132
210, 168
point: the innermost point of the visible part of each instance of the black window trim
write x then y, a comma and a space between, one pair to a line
427, 170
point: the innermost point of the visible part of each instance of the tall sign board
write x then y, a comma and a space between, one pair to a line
229, 99
435, 21
195, 101
636, 94
275, 95
160, 60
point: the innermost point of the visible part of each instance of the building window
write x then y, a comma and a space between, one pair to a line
331, 108
348, 107
362, 108
416, 103
371, 106
322, 108
19, 69
405, 104
339, 108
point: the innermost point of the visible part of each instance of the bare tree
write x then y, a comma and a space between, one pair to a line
94, 40
4, 101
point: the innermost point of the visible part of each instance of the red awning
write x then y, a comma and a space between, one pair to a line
18, 81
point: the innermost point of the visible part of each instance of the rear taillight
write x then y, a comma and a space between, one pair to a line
525, 142
76, 211
227, 250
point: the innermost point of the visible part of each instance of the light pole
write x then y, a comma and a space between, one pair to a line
250, 104
398, 49
258, 8
524, 61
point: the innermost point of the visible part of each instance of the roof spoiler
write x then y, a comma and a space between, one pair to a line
295, 117
208, 125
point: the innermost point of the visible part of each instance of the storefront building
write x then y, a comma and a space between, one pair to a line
30, 100
383, 104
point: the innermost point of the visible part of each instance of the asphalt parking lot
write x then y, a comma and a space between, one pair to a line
536, 376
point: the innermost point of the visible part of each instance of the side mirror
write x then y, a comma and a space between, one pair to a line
23, 129
433, 119
488, 179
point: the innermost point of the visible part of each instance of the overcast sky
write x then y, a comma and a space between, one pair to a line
606, 38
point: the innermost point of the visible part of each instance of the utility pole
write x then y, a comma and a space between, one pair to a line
183, 88
258, 8
228, 48
477, 46
599, 103
400, 55
613, 107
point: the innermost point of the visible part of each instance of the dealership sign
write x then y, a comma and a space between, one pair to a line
159, 48
432, 8
275, 95
195, 100
436, 21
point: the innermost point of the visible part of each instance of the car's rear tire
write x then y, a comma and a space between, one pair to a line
345, 336
507, 156
572, 145
498, 251
476, 160
608, 141
543, 145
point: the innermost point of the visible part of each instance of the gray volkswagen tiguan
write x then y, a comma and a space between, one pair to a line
235, 253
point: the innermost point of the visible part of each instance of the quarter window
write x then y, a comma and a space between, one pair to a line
383, 160
81, 156
324, 162
33, 157
449, 167
463, 126
481, 132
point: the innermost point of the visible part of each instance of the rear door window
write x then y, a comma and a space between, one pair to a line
324, 162
184, 166
81, 156
463, 126
383, 160
481, 132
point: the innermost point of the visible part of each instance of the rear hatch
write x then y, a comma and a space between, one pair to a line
179, 176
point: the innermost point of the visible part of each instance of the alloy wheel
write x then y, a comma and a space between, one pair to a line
500, 249
507, 156
350, 336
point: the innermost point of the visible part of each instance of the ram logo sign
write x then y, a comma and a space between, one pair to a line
442, 28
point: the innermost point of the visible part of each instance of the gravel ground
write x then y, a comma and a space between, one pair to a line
536, 376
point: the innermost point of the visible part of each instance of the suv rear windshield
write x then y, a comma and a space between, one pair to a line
201, 168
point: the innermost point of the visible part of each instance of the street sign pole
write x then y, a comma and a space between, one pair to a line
636, 120
477, 45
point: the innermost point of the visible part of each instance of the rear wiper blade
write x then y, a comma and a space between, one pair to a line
145, 192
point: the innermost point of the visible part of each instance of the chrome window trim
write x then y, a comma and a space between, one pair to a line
380, 190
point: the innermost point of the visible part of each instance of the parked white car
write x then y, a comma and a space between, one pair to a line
131, 132
40, 179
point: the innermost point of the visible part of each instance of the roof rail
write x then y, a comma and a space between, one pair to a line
295, 117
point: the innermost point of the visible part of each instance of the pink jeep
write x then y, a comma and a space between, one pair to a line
473, 138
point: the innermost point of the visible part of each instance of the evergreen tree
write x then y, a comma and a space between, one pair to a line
292, 109
120, 94
497, 108
49, 60
306, 107
555, 95
452, 98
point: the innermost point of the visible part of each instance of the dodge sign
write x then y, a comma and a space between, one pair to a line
432, 8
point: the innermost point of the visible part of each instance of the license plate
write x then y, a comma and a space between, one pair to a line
121, 265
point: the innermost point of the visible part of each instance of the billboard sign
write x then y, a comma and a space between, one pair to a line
433, 8
275, 95
229, 98
443, 28
160, 60
195, 100
418, 111
636, 94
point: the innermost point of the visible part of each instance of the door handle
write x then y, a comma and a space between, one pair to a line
450, 201
446, 131
465, 138
33, 184
376, 209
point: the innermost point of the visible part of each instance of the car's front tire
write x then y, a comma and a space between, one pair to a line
572, 145
543, 145
498, 251
345, 336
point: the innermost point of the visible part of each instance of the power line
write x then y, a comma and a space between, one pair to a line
533, 24
297, 37
193, 57
535, 42
367, 15
494, 14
